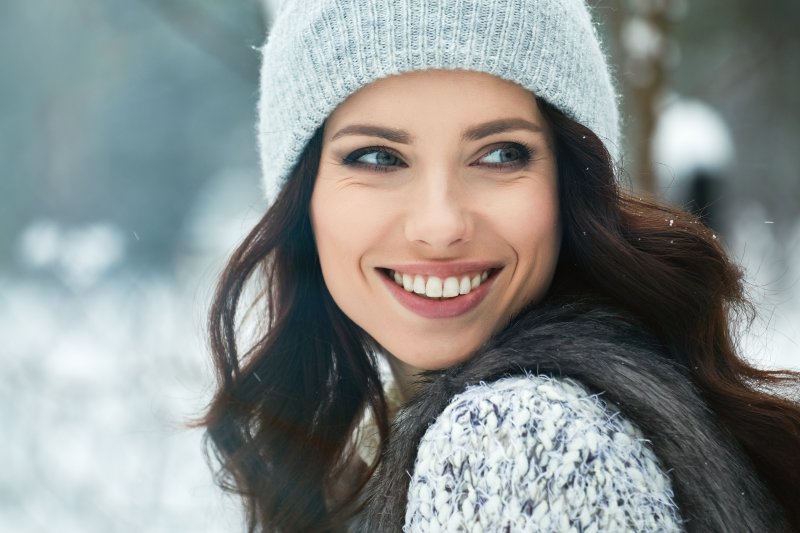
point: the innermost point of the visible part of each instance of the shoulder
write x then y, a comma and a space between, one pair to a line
535, 452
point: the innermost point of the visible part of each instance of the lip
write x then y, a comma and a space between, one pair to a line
443, 270
444, 308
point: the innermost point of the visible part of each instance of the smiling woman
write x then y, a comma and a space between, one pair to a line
435, 208
560, 352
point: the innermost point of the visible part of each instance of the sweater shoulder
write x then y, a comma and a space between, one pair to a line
534, 452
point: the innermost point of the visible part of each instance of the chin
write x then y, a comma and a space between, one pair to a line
432, 359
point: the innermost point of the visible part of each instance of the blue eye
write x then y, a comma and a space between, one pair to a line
508, 155
379, 159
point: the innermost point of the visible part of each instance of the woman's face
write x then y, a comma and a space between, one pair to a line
435, 211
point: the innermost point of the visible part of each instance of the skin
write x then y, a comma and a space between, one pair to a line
438, 202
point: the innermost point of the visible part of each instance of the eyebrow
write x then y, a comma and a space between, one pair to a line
370, 130
485, 129
474, 133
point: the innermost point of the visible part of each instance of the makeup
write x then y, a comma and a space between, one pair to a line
438, 308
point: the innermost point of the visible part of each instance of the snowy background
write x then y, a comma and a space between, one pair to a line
128, 172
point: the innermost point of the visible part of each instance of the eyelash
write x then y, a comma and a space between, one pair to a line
525, 155
525, 151
352, 159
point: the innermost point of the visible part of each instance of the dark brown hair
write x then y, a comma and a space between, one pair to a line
284, 409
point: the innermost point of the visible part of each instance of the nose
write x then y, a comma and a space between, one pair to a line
439, 215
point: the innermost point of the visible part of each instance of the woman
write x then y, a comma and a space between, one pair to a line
443, 196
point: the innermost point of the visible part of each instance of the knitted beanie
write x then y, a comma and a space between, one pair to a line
319, 52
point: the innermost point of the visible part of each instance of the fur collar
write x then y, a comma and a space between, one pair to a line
715, 485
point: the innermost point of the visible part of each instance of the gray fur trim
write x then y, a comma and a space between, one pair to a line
715, 485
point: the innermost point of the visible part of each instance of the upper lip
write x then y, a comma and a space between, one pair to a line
443, 269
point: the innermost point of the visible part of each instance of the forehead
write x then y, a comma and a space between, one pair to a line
436, 97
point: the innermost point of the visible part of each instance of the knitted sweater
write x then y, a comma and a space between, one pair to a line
535, 453
515, 439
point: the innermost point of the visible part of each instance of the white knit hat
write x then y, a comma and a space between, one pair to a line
319, 52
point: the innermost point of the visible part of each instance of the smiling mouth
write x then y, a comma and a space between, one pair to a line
437, 287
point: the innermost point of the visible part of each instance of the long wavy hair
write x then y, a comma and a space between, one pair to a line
286, 404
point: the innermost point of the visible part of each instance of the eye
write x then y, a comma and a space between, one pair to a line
373, 158
508, 155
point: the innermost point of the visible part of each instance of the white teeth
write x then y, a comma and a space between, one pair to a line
465, 286
419, 284
450, 288
433, 289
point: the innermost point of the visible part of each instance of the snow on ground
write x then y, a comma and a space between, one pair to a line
770, 256
96, 393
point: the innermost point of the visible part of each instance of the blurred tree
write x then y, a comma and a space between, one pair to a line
205, 25
641, 31
116, 111
737, 56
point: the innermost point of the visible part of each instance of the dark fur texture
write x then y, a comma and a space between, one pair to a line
715, 486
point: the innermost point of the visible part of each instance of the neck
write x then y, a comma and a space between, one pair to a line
406, 377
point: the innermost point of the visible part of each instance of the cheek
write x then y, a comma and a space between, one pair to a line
336, 243
327, 222
346, 230
541, 230
533, 229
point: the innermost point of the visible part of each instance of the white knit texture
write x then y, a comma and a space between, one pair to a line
534, 453
319, 52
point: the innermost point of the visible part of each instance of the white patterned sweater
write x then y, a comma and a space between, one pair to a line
534, 453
